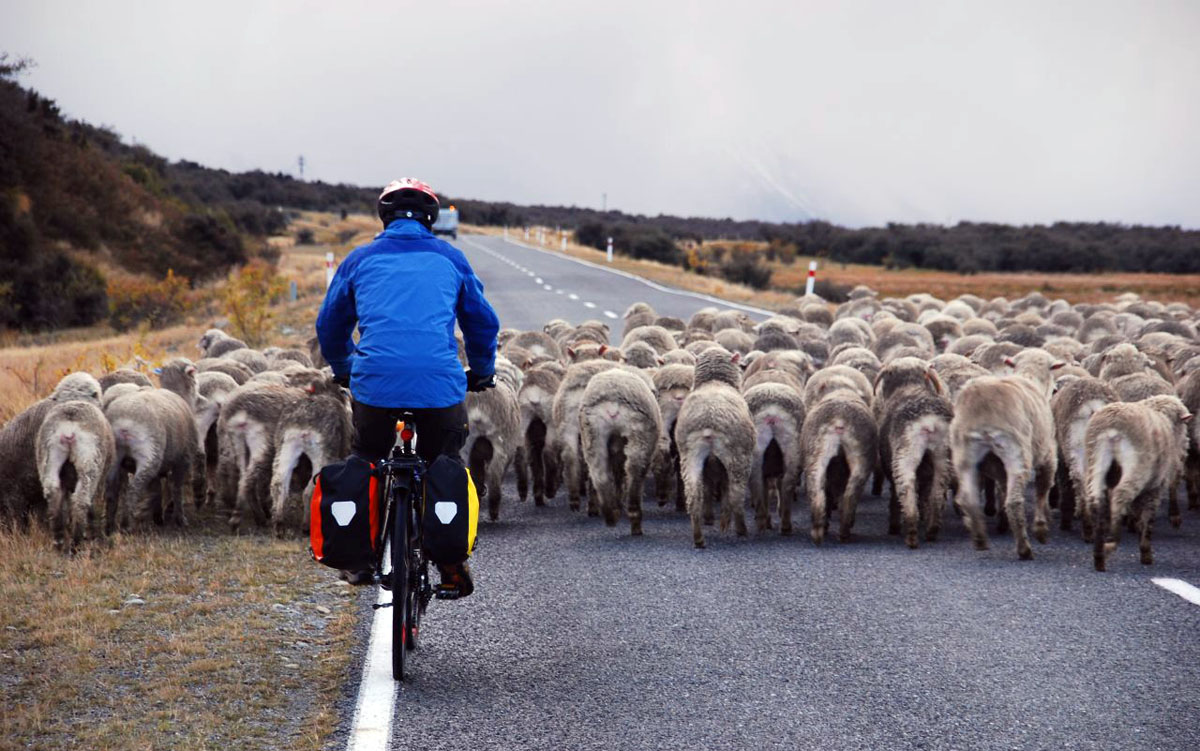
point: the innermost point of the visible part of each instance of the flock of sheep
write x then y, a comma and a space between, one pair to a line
969, 399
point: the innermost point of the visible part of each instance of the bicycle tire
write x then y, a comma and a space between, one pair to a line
401, 583
412, 602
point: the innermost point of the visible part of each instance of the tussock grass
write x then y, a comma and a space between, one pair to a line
242, 642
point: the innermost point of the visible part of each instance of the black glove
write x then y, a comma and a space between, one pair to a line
342, 380
480, 383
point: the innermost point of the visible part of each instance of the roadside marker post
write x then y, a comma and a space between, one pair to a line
293, 291
526, 233
812, 278
608, 253
328, 270
506, 232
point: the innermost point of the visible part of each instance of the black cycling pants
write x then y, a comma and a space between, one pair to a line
440, 430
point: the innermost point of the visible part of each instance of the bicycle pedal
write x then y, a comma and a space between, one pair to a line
378, 605
447, 593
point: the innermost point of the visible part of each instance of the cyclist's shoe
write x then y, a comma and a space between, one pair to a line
365, 576
456, 581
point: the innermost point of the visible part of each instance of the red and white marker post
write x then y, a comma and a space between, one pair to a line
328, 270
812, 278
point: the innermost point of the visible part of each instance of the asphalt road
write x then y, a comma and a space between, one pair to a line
581, 637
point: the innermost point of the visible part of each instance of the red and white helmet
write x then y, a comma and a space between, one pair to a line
408, 197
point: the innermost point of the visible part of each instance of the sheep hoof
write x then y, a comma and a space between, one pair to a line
539, 501
911, 541
785, 531
931, 535
981, 544
635, 530
1147, 558
699, 544
1099, 563
1039, 534
894, 529
1176, 521
843, 537
573, 505
818, 537
1025, 554
493, 516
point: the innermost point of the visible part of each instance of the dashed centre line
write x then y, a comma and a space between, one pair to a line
573, 296
547, 287
610, 314
589, 304
1179, 587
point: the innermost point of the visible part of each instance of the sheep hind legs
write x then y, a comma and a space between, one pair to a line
1043, 481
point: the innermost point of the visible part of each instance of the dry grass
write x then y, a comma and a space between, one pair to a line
242, 643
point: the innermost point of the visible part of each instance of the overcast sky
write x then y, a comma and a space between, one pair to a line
860, 113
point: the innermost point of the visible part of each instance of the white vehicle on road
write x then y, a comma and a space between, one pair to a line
447, 223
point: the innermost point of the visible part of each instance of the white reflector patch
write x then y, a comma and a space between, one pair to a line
343, 511
446, 511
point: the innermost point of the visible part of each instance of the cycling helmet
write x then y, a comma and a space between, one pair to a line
408, 197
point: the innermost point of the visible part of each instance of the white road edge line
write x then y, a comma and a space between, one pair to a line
1179, 587
626, 274
372, 726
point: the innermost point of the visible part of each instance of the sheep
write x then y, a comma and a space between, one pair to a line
284, 357
679, 357
777, 411
212, 391
21, 493
234, 370
1188, 390
833, 378
798, 364
715, 436
535, 402
816, 349
672, 384
944, 329
852, 331
839, 446
1006, 421
1138, 386
537, 343
771, 340
860, 358
619, 429
156, 440
75, 451
246, 453
640, 355
123, 375
732, 319
734, 340
914, 445
1072, 406
1122, 360
216, 343
955, 371
637, 314
980, 327
317, 430
493, 440
703, 319
1134, 452
254, 360
656, 336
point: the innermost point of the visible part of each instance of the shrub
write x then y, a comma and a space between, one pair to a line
830, 291
248, 297
134, 301
747, 268
305, 237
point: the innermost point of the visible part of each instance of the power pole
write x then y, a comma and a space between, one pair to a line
301, 160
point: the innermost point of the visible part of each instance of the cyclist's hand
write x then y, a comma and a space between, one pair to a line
480, 383
342, 380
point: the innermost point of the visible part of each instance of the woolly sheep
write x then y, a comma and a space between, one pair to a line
619, 428
1134, 451
715, 436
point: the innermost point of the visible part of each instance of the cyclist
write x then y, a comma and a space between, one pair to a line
405, 290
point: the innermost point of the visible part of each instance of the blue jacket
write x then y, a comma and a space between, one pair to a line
404, 290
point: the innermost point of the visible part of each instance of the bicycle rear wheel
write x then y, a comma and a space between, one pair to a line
401, 583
